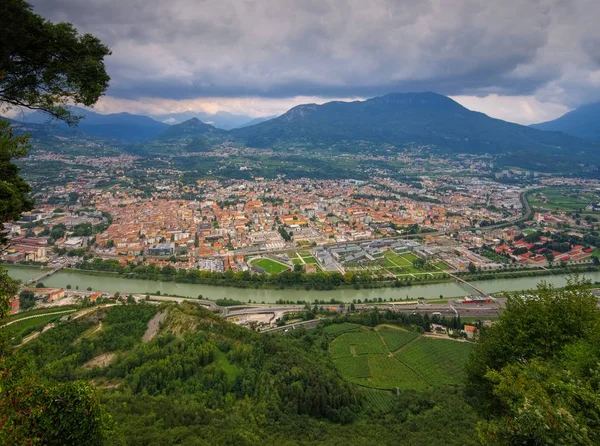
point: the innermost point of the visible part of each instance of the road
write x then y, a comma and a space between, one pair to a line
36, 315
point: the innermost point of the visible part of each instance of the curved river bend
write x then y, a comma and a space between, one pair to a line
430, 291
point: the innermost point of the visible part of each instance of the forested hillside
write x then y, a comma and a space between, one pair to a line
202, 380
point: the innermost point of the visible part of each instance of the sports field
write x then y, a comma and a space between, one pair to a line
270, 266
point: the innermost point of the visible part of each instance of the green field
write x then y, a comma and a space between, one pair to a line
390, 373
395, 338
565, 199
358, 343
336, 329
378, 400
403, 261
270, 266
392, 358
14, 317
437, 361
29, 325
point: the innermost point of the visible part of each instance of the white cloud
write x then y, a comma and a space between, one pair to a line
254, 107
520, 109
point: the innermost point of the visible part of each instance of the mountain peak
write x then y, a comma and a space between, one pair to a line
187, 130
403, 120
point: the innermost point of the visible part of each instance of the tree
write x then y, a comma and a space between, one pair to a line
533, 374
14, 199
472, 267
44, 66
26, 300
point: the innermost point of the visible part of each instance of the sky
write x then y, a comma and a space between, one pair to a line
524, 61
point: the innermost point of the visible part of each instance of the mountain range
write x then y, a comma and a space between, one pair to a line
403, 119
583, 122
394, 120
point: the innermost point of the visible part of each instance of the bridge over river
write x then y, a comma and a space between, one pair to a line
43, 275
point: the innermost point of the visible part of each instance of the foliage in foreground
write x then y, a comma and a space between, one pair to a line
535, 374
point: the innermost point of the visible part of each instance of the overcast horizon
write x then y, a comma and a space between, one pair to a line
526, 63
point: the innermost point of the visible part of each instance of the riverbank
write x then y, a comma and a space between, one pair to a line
112, 283
374, 285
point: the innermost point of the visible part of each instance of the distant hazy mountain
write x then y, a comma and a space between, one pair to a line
256, 121
583, 122
221, 120
122, 126
403, 119
187, 131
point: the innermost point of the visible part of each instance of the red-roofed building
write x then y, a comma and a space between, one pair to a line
14, 305
95, 297
471, 331
56, 294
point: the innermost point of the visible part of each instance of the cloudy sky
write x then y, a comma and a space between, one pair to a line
521, 60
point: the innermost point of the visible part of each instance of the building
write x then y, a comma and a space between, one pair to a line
471, 331
14, 305
162, 249
73, 243
56, 294
94, 297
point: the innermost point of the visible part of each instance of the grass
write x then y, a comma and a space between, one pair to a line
437, 361
564, 199
14, 317
395, 338
441, 265
230, 369
392, 358
310, 259
378, 400
270, 266
335, 329
404, 261
354, 367
389, 373
29, 325
357, 343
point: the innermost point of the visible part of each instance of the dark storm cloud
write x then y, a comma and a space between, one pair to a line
281, 48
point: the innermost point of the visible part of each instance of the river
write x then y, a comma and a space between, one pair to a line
428, 291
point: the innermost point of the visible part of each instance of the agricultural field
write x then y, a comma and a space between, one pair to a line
365, 357
355, 368
378, 400
270, 266
335, 329
437, 361
358, 343
565, 199
387, 372
394, 338
21, 315
29, 325
391, 358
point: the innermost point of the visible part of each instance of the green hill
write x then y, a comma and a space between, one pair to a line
404, 119
178, 374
